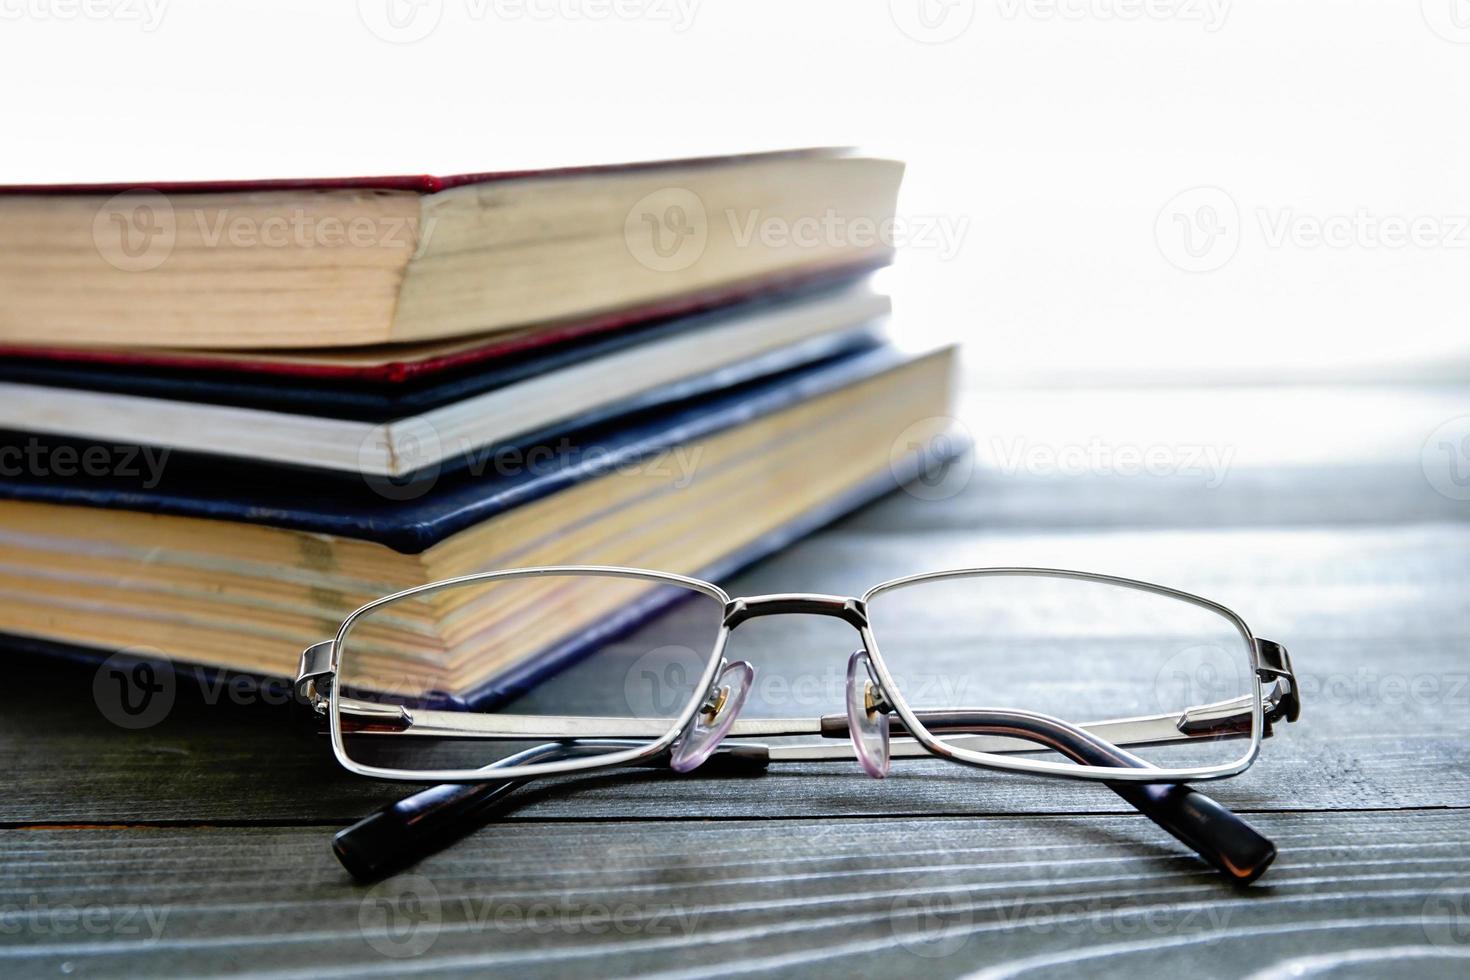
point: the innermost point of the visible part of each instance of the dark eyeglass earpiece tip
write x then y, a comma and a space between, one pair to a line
419, 825
370, 848
1214, 831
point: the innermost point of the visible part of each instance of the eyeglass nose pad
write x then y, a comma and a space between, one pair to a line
713, 720
867, 727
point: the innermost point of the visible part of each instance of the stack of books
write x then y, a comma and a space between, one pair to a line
234, 412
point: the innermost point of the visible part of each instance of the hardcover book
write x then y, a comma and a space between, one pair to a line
372, 261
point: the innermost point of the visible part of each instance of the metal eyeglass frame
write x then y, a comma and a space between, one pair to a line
1246, 716
412, 828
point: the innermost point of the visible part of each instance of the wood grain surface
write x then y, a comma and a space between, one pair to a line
198, 845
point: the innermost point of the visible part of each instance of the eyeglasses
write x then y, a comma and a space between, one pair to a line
486, 681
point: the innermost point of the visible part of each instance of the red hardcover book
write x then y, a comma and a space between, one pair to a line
388, 278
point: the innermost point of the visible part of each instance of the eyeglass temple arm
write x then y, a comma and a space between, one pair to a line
1207, 827
1232, 718
428, 821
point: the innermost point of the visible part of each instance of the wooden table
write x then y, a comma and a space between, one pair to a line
199, 846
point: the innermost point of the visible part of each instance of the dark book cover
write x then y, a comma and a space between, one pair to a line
371, 399
414, 513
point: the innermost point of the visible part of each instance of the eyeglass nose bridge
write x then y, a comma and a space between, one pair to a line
867, 720
850, 610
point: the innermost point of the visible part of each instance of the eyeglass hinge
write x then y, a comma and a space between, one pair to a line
1275, 665
314, 677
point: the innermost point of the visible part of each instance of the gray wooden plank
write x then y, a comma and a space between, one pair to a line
1107, 896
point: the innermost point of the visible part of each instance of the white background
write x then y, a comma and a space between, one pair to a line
1050, 139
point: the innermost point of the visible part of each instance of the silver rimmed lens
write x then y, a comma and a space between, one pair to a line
1165, 676
467, 673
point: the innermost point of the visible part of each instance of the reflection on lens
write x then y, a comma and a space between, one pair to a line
1080, 650
519, 660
